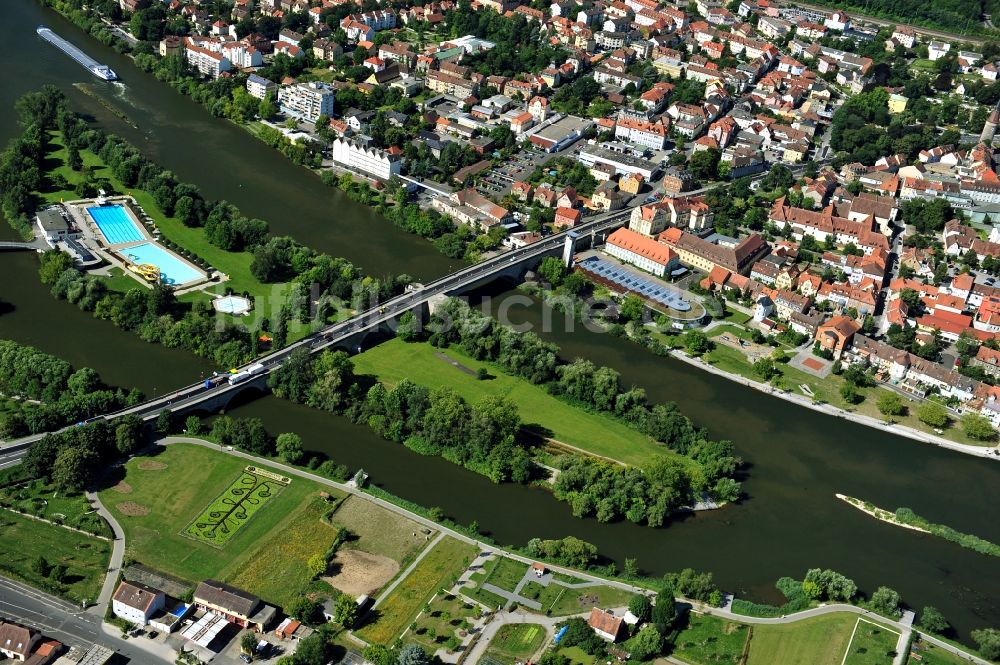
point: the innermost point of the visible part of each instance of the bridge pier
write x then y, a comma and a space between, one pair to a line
569, 248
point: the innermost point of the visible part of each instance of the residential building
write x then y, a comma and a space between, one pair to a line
306, 101
357, 156
260, 87
470, 207
207, 62
566, 218
605, 624
642, 132
641, 251
136, 603
235, 605
821, 225
17, 642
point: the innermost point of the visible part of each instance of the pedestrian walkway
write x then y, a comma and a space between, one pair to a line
117, 557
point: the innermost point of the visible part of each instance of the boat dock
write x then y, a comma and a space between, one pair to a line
95, 68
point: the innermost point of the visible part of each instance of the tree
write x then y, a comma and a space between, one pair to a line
552, 270
646, 644
317, 564
73, 467
193, 425
304, 609
128, 434
978, 427
704, 163
890, 403
988, 640
640, 606
933, 414
345, 611
289, 447
40, 566
248, 643
54, 264
696, 342
163, 421
413, 654
885, 601
766, 369
631, 308
664, 610
933, 620
850, 393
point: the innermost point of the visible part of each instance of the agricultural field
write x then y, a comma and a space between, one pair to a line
595, 433
232, 509
708, 640
159, 496
443, 623
872, 644
43, 500
817, 641
516, 643
438, 569
85, 558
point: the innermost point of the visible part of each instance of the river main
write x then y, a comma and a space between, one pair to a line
797, 459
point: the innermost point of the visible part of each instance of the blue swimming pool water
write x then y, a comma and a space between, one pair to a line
115, 224
173, 271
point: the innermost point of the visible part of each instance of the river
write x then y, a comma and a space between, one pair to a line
796, 458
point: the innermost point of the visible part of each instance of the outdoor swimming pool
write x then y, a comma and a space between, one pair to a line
173, 271
115, 224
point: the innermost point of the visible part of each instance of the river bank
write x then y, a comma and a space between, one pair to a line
861, 419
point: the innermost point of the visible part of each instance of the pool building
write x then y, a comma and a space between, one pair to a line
114, 227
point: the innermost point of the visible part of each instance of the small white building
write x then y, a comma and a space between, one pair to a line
259, 87
937, 50
136, 603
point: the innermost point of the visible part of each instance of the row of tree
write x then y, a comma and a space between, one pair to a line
50, 394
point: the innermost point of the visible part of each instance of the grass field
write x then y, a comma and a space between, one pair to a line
577, 656
43, 500
516, 643
709, 641
233, 509
268, 555
601, 435
872, 644
380, 531
85, 557
818, 641
438, 569
487, 598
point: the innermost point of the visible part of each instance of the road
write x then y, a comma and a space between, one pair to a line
69, 624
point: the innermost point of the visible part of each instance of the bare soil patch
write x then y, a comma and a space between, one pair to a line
356, 572
123, 488
132, 509
151, 465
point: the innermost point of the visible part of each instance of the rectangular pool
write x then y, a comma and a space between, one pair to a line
173, 271
115, 224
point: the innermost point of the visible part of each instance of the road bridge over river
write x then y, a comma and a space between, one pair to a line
351, 333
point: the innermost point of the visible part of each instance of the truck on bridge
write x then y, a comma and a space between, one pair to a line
249, 372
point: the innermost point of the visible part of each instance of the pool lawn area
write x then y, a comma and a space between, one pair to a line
596, 433
872, 644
